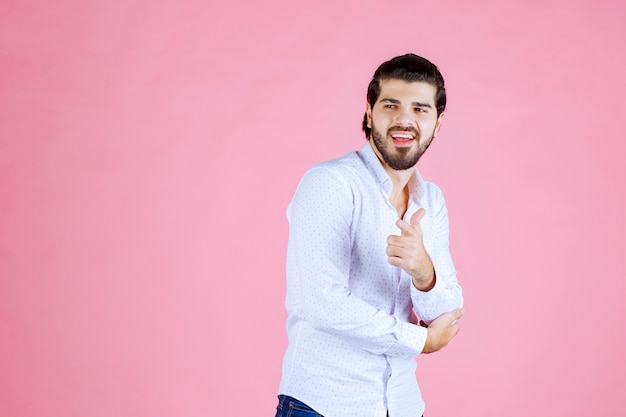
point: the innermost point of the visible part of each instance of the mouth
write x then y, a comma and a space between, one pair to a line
402, 138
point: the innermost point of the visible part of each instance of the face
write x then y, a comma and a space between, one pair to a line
403, 121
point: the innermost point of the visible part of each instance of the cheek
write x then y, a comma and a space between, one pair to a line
428, 126
381, 123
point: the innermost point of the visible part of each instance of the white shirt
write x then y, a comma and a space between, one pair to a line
351, 323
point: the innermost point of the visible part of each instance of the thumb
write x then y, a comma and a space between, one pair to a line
457, 314
452, 316
417, 217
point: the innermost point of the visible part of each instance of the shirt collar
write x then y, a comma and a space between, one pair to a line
375, 167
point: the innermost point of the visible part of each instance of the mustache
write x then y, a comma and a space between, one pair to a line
403, 129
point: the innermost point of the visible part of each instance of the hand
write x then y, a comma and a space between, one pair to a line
442, 330
407, 252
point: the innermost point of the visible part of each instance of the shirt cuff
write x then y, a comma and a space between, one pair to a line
414, 337
434, 292
428, 304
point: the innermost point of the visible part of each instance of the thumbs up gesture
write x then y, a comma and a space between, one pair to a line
407, 252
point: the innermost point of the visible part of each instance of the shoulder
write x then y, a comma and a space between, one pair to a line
431, 190
340, 165
430, 195
325, 193
333, 174
331, 184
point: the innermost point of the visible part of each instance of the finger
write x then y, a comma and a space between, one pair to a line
394, 240
399, 252
391, 250
395, 261
449, 318
458, 313
411, 243
454, 324
400, 241
405, 228
455, 315
455, 328
399, 262
417, 217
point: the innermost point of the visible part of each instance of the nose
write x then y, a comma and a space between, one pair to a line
404, 117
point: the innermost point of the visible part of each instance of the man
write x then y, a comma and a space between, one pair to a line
368, 251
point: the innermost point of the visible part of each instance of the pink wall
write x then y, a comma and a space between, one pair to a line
148, 150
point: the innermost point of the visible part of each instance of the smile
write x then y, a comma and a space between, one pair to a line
400, 136
402, 139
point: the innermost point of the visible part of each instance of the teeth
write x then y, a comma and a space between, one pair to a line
407, 136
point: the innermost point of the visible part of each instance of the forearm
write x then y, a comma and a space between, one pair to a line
318, 293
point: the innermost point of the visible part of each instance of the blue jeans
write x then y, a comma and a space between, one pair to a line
290, 407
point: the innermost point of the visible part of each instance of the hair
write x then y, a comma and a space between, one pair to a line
409, 68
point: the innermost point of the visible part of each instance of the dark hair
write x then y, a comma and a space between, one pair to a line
410, 68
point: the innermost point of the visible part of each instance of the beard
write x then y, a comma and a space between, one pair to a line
400, 158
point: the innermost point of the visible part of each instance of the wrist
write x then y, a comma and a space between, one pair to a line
425, 282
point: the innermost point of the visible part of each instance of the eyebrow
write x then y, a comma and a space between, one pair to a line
415, 103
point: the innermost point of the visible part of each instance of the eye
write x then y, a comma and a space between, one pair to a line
420, 110
390, 106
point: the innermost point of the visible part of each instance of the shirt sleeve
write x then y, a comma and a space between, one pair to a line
318, 268
446, 295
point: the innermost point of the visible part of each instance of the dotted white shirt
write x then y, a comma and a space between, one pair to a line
352, 327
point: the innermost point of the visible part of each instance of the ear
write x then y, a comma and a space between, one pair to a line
438, 124
368, 112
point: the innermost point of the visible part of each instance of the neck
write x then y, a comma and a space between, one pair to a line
399, 197
399, 179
